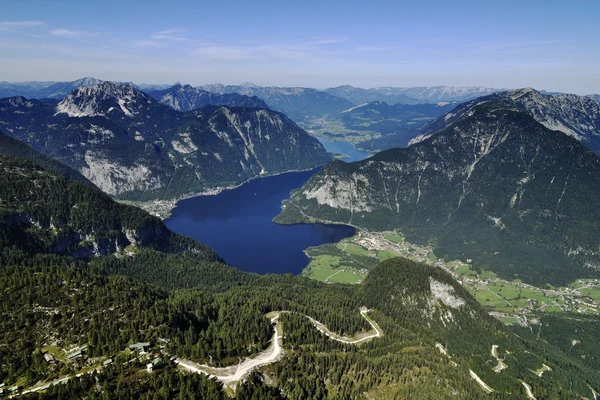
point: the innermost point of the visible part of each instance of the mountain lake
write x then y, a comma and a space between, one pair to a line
238, 225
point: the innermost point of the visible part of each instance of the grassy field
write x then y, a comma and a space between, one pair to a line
326, 268
57, 353
344, 262
507, 319
356, 250
594, 293
395, 238
333, 128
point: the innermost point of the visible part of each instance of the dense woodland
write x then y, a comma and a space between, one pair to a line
189, 304
67, 217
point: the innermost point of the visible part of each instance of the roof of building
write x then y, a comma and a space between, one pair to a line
74, 354
139, 345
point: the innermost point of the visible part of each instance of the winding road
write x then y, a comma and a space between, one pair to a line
233, 374
501, 365
480, 382
363, 311
528, 390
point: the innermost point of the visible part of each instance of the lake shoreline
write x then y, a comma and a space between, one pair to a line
164, 208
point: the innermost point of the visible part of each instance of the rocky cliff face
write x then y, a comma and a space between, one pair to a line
130, 145
496, 186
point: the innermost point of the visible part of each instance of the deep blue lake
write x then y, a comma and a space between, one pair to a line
237, 225
352, 153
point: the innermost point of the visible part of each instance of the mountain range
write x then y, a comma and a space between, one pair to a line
298, 103
491, 182
130, 145
321, 112
44, 90
187, 98
410, 95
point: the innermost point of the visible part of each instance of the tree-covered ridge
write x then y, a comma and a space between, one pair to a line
41, 212
14, 148
496, 187
61, 307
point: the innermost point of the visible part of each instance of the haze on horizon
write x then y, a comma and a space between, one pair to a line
548, 45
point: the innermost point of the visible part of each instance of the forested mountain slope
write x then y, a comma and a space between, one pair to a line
41, 212
15, 148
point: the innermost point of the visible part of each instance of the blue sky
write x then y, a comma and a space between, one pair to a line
552, 45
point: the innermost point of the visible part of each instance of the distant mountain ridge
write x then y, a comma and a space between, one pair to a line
44, 90
360, 96
410, 95
187, 98
297, 102
130, 145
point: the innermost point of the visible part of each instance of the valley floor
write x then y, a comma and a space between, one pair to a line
513, 302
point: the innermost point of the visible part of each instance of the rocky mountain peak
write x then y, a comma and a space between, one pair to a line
101, 99
187, 88
518, 93
576, 116
15, 101
87, 81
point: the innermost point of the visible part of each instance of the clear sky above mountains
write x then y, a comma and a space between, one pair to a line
550, 44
